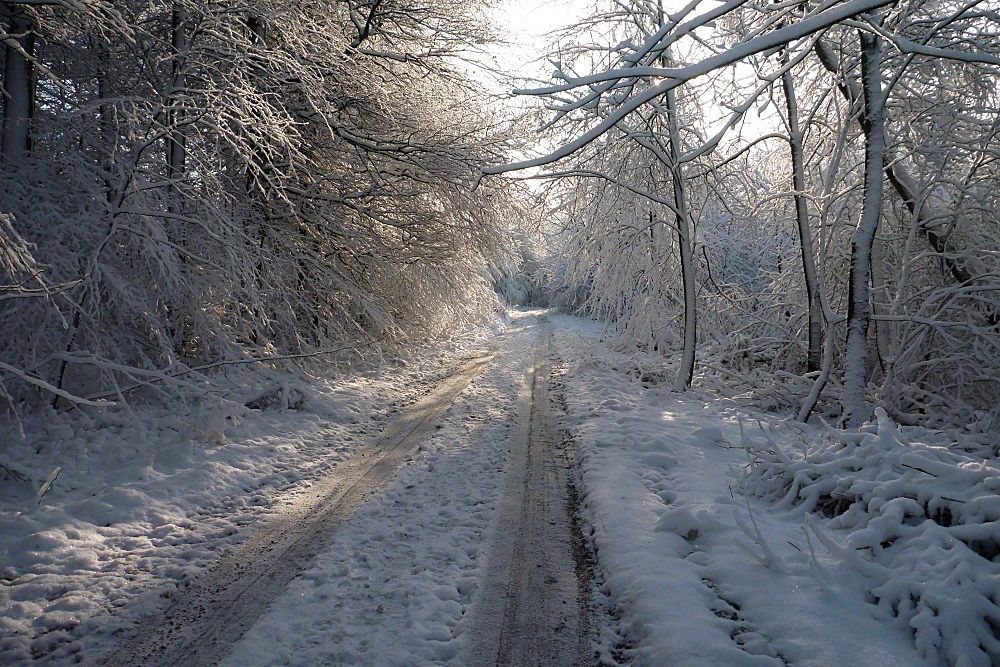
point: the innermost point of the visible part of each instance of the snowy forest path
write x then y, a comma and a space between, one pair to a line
207, 617
535, 605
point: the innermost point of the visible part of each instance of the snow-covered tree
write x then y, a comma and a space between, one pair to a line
213, 182
894, 72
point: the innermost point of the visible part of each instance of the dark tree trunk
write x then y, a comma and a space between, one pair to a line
18, 83
814, 359
175, 140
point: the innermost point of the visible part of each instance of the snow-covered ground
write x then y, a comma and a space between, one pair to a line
727, 536
661, 498
147, 496
707, 551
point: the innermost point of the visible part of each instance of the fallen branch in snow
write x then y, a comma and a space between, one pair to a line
9, 470
152, 376
38, 382
913, 467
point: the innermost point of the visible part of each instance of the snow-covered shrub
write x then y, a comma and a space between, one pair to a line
922, 514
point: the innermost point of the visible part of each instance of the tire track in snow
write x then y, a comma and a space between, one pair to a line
204, 619
535, 608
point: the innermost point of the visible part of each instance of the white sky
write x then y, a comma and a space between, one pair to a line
525, 24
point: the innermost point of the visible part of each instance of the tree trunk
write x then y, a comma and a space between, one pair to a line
902, 181
256, 166
686, 371
881, 301
859, 293
814, 358
176, 154
175, 140
19, 98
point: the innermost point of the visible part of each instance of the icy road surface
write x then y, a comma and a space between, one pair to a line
463, 549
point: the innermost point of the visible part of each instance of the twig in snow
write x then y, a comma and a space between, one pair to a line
813, 561
768, 560
48, 483
812, 552
768, 433
750, 552
9, 470
873, 570
913, 467
761, 542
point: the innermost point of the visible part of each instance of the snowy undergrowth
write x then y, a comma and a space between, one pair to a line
921, 512
149, 494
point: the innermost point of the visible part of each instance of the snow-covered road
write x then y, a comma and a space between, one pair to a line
206, 616
420, 575
534, 609
653, 569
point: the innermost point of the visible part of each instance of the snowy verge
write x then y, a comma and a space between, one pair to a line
685, 585
148, 495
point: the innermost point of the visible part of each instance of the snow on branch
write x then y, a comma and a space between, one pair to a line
240, 191
15, 256
674, 77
